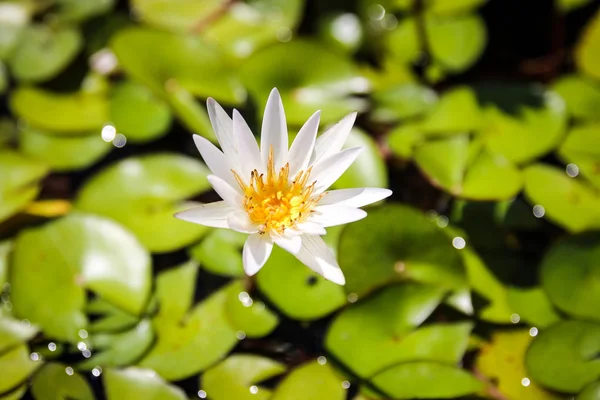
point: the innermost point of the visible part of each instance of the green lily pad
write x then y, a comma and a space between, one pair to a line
491, 177
143, 193
588, 48
137, 113
369, 169
408, 247
590, 392
65, 114
403, 42
313, 382
63, 153
81, 10
175, 291
443, 7
426, 380
12, 26
3, 78
570, 275
15, 394
175, 15
444, 161
43, 52
135, 383
566, 201
327, 85
16, 366
189, 111
14, 333
582, 147
5, 249
52, 382
457, 112
378, 332
404, 138
403, 101
233, 377
55, 264
502, 360
296, 290
160, 59
220, 252
254, 319
108, 318
564, 357
581, 95
184, 348
533, 306
20, 181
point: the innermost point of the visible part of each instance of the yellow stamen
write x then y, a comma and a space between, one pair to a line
274, 202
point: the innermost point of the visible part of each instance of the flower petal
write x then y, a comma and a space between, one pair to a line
310, 228
257, 250
316, 255
327, 171
248, 152
334, 214
354, 197
274, 131
303, 145
215, 160
333, 139
211, 214
222, 125
226, 191
240, 222
291, 244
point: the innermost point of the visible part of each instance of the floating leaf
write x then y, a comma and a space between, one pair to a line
403, 101
176, 15
52, 382
19, 179
15, 394
220, 252
143, 193
403, 42
233, 377
43, 52
134, 383
588, 49
55, 263
313, 382
16, 366
108, 317
80, 10
457, 112
582, 147
566, 201
590, 392
14, 333
254, 319
5, 249
564, 357
63, 153
175, 291
408, 247
581, 95
16, 16
426, 380
491, 177
377, 333
533, 306
65, 114
404, 138
137, 113
570, 275
444, 161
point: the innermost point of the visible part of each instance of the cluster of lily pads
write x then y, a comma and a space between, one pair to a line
104, 293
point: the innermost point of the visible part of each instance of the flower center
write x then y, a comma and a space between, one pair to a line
274, 202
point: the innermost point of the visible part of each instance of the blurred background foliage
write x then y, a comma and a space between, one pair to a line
480, 278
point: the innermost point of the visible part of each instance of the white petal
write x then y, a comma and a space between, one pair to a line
257, 250
327, 171
316, 255
303, 145
274, 131
333, 139
248, 152
240, 222
211, 214
215, 160
222, 125
333, 215
226, 191
310, 228
354, 197
290, 244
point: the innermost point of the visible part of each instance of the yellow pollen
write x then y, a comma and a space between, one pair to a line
274, 202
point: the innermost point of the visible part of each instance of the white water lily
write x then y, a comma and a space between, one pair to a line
279, 195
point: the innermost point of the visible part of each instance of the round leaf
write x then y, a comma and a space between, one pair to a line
52, 382
581, 95
491, 177
254, 319
313, 381
458, 111
55, 263
533, 306
175, 15
403, 101
582, 147
220, 252
133, 383
143, 193
175, 289
16, 16
444, 161
16, 366
587, 54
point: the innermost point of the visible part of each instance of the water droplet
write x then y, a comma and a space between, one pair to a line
538, 211
241, 335
26, 322
346, 385
459, 243
346, 28
533, 331
352, 297
52, 346
69, 371
96, 371
108, 133
389, 22
253, 389
442, 221
525, 382
34, 356
322, 360
202, 394
83, 333
572, 170
283, 34
81, 346
515, 318
86, 353
120, 140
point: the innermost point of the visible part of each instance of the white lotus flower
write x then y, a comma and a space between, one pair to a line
279, 195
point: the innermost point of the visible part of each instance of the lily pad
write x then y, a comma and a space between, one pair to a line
16, 366
444, 161
456, 112
137, 113
590, 392
175, 291
5, 249
14, 17
564, 357
176, 15
52, 382
233, 377
81, 10
533, 306
581, 95
566, 201
254, 319
328, 84
588, 49
135, 383
582, 148
65, 114
20, 181
377, 333
108, 318
14, 333
426, 380
313, 381
491, 177
408, 247
63, 153
55, 264
570, 275
43, 52
403, 101
143, 193
220, 252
